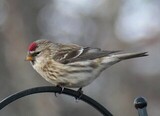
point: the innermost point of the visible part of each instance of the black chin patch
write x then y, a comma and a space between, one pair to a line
33, 62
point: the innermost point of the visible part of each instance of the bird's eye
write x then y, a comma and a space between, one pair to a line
36, 53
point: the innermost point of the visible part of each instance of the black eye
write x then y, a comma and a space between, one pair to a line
36, 53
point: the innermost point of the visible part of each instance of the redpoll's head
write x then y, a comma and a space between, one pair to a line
39, 49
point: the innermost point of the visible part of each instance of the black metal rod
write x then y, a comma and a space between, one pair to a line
141, 104
44, 89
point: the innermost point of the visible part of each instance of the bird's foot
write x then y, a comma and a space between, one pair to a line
80, 93
62, 88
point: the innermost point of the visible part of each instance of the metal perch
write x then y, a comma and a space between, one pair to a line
45, 89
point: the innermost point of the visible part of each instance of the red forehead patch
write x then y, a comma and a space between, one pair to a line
32, 46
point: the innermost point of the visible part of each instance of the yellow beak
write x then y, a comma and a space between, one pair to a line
29, 58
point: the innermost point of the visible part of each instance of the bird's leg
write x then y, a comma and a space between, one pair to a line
80, 92
62, 88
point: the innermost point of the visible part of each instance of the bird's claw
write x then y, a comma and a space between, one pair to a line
62, 88
80, 93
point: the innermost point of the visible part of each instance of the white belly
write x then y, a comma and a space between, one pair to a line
75, 78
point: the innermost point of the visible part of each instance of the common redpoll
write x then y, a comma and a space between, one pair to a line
72, 65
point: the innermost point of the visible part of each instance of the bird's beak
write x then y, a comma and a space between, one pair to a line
29, 57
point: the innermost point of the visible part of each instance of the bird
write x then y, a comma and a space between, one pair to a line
72, 65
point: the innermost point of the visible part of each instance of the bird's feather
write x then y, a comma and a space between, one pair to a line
67, 54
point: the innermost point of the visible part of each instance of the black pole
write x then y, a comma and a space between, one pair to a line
66, 91
141, 104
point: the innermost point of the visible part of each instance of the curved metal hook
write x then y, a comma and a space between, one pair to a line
45, 89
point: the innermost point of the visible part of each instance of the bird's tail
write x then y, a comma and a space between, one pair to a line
115, 58
125, 56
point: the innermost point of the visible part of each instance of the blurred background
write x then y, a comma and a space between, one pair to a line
107, 24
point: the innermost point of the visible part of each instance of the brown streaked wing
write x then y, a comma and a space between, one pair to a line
72, 53
65, 52
92, 53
